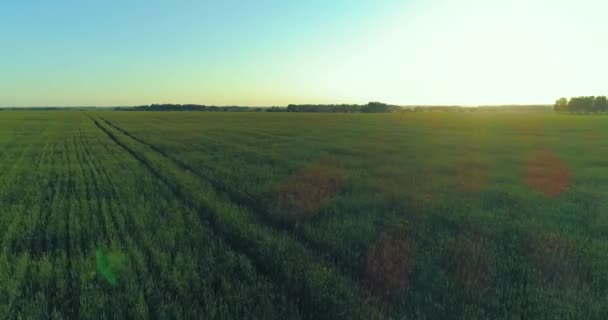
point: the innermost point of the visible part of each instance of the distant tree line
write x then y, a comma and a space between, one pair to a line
372, 107
478, 108
324, 108
438, 108
586, 104
187, 107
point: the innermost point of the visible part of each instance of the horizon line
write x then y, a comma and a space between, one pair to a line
280, 106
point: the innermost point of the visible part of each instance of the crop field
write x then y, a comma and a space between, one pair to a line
204, 215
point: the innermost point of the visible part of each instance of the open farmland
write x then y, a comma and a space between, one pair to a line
185, 215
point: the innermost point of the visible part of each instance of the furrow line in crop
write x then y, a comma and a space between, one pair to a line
39, 245
146, 267
20, 227
246, 200
325, 292
143, 266
89, 227
180, 194
141, 231
97, 174
71, 305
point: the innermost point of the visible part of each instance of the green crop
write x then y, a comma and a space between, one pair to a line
188, 215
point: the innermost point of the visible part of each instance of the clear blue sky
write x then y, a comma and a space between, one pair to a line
274, 52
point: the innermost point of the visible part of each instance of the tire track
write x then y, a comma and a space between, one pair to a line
97, 174
247, 200
39, 245
238, 232
71, 305
173, 189
147, 246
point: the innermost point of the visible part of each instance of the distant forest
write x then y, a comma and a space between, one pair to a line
587, 104
372, 107
574, 105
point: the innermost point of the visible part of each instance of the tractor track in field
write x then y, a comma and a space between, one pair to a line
96, 173
123, 223
38, 245
234, 195
241, 245
185, 199
248, 201
259, 267
74, 306
150, 266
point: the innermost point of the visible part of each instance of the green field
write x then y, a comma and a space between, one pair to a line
201, 215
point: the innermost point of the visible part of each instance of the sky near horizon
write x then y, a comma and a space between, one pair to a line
275, 52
